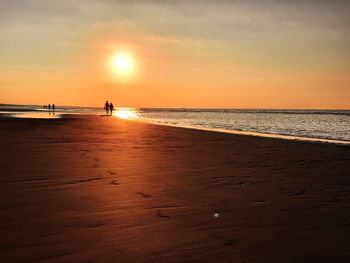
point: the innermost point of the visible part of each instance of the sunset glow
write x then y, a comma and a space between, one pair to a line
192, 54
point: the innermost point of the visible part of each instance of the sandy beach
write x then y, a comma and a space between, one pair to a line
101, 189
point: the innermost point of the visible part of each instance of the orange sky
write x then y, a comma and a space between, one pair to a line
227, 54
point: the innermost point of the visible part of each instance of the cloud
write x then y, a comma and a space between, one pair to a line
256, 28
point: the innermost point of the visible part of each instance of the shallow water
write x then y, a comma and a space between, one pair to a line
321, 124
34, 115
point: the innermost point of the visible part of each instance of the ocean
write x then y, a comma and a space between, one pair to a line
318, 125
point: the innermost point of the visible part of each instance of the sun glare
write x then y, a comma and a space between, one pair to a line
126, 113
122, 63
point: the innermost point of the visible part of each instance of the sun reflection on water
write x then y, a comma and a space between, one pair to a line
126, 113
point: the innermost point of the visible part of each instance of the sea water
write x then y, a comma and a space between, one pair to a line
318, 124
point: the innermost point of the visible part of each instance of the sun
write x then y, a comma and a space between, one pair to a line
122, 63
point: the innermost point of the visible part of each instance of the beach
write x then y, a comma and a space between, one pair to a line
87, 188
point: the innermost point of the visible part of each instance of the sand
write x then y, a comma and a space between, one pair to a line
100, 189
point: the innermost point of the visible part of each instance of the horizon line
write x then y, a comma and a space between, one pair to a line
223, 108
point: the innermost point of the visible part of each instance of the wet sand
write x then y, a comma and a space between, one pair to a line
100, 189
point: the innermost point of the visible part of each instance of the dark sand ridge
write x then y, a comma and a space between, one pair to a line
97, 189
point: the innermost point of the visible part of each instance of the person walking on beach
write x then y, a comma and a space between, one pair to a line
111, 108
53, 107
49, 106
106, 107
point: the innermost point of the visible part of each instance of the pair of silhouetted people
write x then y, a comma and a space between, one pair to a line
109, 107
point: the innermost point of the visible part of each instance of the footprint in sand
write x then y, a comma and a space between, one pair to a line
226, 242
160, 214
86, 180
144, 195
230, 242
115, 182
261, 201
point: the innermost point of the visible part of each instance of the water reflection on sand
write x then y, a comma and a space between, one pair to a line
35, 115
126, 113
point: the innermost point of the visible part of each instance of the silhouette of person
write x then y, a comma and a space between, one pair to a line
106, 107
111, 108
49, 106
53, 107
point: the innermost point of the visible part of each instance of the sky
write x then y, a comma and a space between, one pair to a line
196, 54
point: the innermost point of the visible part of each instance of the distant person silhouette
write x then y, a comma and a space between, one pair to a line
111, 108
106, 107
49, 106
53, 107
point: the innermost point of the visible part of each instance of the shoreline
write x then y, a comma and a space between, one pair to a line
58, 115
255, 134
